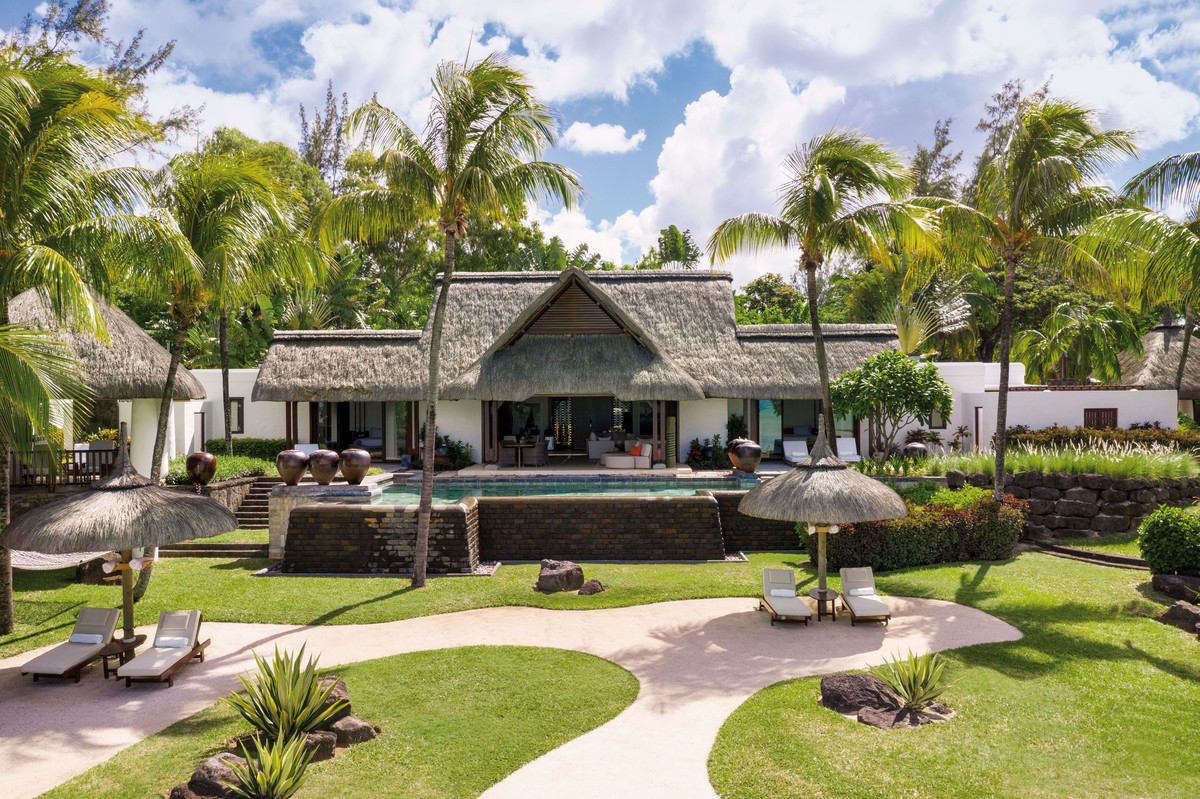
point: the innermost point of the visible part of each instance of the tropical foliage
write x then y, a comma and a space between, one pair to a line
286, 699
274, 770
1111, 459
892, 390
1078, 343
1169, 540
917, 679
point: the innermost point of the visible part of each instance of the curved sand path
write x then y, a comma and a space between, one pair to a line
697, 660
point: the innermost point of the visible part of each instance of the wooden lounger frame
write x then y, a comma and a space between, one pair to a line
75, 671
168, 676
854, 618
764, 605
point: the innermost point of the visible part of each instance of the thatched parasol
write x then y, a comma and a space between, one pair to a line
823, 492
122, 512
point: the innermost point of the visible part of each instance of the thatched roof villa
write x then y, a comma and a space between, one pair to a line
656, 354
1157, 368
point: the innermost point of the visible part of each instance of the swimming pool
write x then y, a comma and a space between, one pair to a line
445, 491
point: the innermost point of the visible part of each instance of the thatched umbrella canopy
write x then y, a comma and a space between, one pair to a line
122, 512
824, 492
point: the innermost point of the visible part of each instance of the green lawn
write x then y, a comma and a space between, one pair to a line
226, 590
454, 722
1123, 544
260, 535
1097, 700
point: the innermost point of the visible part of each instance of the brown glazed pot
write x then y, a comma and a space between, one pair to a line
731, 450
324, 466
291, 464
200, 467
749, 455
355, 463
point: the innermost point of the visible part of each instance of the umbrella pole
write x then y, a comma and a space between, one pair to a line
821, 559
127, 593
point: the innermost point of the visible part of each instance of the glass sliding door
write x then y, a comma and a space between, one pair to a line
770, 428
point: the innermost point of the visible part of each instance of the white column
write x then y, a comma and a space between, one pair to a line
143, 427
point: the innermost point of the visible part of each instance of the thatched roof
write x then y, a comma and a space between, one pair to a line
131, 365
343, 366
683, 321
122, 511
822, 489
1157, 368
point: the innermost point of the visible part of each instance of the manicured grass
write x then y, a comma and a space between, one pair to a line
1097, 700
1123, 544
454, 722
226, 590
260, 535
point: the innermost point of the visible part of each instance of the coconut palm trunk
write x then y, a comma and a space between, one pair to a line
164, 409
810, 275
428, 466
7, 615
223, 336
1006, 318
1189, 321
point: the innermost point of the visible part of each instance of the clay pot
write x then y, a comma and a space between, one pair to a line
354, 463
731, 451
916, 450
291, 464
749, 455
324, 466
200, 467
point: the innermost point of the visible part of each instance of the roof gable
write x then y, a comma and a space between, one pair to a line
572, 311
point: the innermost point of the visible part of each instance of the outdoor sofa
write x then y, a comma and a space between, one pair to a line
92, 632
859, 597
176, 643
779, 597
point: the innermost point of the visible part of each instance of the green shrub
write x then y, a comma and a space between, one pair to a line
1170, 541
228, 468
272, 771
920, 493
963, 497
1112, 459
929, 534
736, 427
919, 681
263, 448
895, 466
286, 699
1187, 424
1058, 436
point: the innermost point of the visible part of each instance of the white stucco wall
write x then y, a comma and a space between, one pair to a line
701, 419
263, 419
461, 419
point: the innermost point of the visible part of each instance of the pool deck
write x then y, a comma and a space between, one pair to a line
585, 468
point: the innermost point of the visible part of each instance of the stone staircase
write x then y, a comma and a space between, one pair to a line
202, 549
254, 512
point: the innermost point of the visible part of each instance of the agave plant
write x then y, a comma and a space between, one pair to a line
275, 770
918, 680
285, 700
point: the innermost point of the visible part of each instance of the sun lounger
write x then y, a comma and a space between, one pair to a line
794, 451
93, 631
859, 597
176, 643
848, 449
779, 597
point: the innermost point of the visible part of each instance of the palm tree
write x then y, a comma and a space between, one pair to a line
480, 154
1078, 342
67, 219
238, 222
1038, 191
841, 196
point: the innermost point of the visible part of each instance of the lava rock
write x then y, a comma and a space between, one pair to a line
182, 791
891, 719
321, 743
850, 693
1027, 479
955, 478
1177, 586
979, 480
353, 730
338, 694
1110, 524
592, 586
559, 575
211, 778
1183, 615
1096, 482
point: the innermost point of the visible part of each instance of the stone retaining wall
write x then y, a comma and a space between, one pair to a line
1070, 506
229, 493
750, 534
600, 528
379, 539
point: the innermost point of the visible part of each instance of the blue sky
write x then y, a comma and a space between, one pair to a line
681, 112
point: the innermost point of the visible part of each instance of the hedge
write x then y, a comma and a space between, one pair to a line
1170, 541
929, 534
1058, 436
262, 448
228, 468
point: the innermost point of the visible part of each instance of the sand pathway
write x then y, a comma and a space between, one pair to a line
697, 660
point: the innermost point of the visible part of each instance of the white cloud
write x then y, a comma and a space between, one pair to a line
574, 228
583, 137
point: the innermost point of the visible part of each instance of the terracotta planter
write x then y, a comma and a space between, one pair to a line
731, 451
324, 466
749, 455
200, 467
291, 464
354, 463
916, 450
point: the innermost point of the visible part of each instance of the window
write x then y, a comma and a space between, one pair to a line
1099, 418
237, 414
936, 422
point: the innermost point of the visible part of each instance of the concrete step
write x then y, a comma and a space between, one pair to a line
197, 549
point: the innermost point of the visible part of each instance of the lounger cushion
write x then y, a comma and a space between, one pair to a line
175, 624
866, 607
167, 642
789, 606
783, 592
861, 592
86, 638
154, 661
62, 658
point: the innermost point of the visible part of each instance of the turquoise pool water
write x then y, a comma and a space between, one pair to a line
410, 493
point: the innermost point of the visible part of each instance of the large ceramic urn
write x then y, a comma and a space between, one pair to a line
355, 463
291, 464
745, 454
324, 466
201, 467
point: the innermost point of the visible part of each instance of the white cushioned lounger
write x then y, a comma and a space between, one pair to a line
859, 597
795, 451
777, 585
176, 641
92, 632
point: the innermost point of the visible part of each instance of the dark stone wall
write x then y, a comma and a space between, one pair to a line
229, 493
600, 528
750, 534
379, 539
1070, 506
